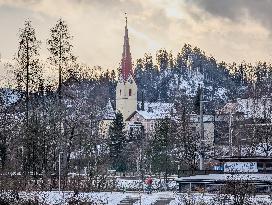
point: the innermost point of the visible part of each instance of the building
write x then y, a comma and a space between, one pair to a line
149, 115
158, 111
126, 89
208, 124
256, 171
142, 115
249, 107
241, 121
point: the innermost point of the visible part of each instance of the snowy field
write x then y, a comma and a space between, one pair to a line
115, 198
98, 198
125, 196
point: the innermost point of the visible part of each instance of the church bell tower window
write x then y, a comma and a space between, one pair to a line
129, 92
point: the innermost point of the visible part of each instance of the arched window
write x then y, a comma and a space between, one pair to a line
129, 92
120, 91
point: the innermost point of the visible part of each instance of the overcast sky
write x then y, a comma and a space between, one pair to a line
230, 30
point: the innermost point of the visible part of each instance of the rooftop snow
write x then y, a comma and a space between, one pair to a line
257, 108
231, 177
156, 110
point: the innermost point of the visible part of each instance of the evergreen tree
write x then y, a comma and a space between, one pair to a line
197, 100
60, 48
28, 76
28, 71
183, 56
117, 143
162, 59
150, 79
61, 57
138, 72
171, 60
186, 141
161, 146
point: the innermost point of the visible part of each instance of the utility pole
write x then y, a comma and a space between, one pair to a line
201, 153
59, 170
230, 135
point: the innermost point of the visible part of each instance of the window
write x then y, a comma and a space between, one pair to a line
129, 92
120, 92
268, 166
260, 166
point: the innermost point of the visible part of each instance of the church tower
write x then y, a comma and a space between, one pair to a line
126, 89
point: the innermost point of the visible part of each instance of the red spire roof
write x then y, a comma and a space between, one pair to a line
126, 62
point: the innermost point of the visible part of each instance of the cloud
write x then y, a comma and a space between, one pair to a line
97, 25
231, 30
238, 10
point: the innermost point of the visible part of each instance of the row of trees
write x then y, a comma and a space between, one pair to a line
166, 74
45, 122
29, 78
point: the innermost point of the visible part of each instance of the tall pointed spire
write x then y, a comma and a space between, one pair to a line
126, 62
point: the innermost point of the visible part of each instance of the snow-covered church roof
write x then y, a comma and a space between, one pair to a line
155, 110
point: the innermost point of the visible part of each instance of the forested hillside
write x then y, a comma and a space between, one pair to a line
164, 77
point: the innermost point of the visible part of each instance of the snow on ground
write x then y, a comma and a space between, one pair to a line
114, 198
99, 198
149, 199
141, 198
62, 198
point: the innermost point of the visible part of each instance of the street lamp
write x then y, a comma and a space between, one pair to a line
178, 163
59, 169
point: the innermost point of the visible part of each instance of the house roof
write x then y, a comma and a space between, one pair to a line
230, 108
250, 107
227, 177
154, 111
244, 159
206, 118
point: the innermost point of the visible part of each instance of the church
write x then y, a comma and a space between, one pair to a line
135, 114
138, 114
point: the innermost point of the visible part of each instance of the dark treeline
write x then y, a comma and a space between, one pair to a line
166, 77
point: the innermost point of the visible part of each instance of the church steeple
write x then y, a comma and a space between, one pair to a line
126, 89
126, 62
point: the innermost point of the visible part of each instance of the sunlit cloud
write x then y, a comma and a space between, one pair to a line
232, 30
